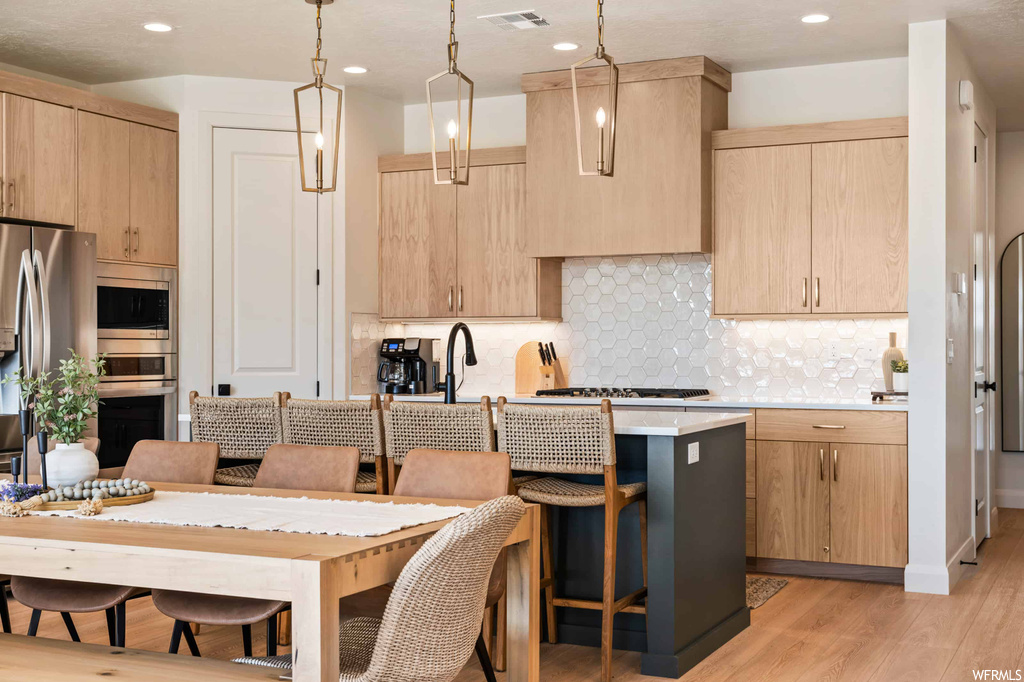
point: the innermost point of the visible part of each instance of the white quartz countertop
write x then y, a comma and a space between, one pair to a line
675, 403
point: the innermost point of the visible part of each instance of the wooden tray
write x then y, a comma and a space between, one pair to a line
108, 502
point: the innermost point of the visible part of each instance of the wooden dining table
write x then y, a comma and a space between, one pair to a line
313, 572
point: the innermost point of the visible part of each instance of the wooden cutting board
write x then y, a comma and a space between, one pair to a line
532, 374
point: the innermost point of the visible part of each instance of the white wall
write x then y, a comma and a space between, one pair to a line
248, 103
1009, 223
497, 122
941, 167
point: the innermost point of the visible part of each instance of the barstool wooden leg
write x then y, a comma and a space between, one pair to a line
611, 536
500, 655
487, 629
547, 579
284, 628
642, 509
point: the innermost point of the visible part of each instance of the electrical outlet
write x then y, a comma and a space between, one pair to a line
832, 350
693, 453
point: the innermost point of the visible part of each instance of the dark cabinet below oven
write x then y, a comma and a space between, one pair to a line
124, 421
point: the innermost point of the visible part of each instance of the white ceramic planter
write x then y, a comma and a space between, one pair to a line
68, 464
901, 382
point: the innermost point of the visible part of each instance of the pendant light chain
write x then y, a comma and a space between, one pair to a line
453, 45
319, 40
600, 28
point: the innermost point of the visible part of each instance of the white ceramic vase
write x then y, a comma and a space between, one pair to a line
901, 382
68, 464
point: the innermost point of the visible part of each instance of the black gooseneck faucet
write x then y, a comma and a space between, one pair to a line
449, 376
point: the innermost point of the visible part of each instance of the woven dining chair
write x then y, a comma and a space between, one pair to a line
285, 467
433, 426
154, 461
244, 428
432, 620
572, 441
341, 423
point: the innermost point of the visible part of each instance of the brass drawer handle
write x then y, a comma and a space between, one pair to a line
127, 242
821, 464
451, 291
136, 251
804, 294
827, 426
460, 297
835, 465
817, 292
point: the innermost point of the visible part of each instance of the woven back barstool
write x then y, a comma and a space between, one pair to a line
433, 426
244, 428
575, 440
341, 423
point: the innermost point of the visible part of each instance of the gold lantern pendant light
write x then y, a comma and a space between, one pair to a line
319, 71
605, 118
458, 163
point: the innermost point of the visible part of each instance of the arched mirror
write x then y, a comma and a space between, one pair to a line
1013, 345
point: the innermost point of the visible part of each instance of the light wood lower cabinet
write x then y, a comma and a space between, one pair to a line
38, 169
792, 501
869, 504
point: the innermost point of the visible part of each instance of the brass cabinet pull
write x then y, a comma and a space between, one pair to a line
450, 293
821, 464
817, 292
136, 251
827, 426
460, 297
10, 196
1, 195
835, 465
127, 242
804, 294
826, 549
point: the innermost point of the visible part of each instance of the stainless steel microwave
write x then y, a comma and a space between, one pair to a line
136, 308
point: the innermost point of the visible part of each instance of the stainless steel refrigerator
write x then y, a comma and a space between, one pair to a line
47, 305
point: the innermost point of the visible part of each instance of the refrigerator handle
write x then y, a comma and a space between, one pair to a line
30, 338
44, 297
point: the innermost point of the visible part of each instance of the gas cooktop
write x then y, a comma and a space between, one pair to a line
595, 392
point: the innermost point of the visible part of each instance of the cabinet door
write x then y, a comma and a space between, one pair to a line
792, 500
496, 277
869, 504
860, 210
39, 160
762, 230
103, 181
154, 195
417, 246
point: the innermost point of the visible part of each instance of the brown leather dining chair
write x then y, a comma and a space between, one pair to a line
285, 467
154, 461
449, 475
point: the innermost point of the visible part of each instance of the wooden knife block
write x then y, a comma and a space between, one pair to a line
532, 375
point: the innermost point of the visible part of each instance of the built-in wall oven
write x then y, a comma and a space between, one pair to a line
137, 331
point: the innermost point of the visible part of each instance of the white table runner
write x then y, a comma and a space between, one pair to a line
285, 514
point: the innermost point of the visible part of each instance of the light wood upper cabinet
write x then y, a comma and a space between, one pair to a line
860, 226
869, 504
811, 220
460, 251
104, 174
39, 173
793, 500
659, 199
154, 195
762, 258
417, 246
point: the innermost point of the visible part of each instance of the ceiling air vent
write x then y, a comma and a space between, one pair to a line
516, 21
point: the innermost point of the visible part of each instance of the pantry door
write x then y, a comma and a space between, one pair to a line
265, 278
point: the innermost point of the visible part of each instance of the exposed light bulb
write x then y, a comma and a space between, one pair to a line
319, 140
453, 129
600, 117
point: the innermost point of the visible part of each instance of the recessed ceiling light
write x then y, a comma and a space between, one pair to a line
354, 69
815, 18
159, 28
566, 47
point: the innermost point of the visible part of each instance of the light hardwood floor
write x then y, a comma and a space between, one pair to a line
812, 630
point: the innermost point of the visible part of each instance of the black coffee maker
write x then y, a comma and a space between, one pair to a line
407, 366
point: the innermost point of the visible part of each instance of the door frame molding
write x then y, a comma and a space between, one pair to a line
202, 250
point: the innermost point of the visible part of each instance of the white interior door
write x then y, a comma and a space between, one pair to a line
980, 350
265, 280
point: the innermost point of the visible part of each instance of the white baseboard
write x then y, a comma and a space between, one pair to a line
926, 578
1008, 497
966, 552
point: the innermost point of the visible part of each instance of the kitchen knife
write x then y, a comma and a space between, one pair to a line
543, 357
552, 353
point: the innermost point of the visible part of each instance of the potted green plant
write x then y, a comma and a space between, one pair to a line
900, 376
63, 408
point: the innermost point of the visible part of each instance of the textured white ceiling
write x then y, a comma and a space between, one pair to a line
403, 41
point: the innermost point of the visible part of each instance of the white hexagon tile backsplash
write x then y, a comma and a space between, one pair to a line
646, 322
